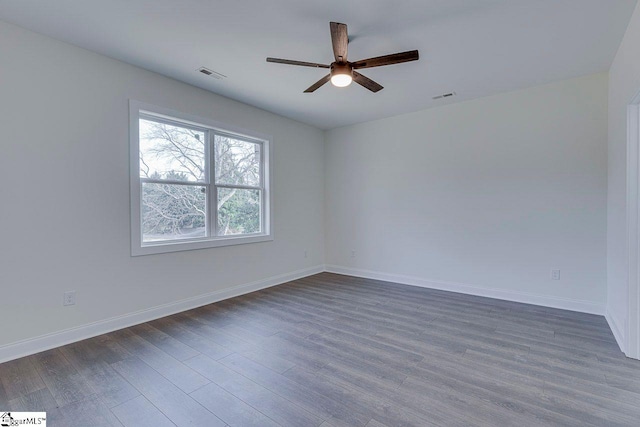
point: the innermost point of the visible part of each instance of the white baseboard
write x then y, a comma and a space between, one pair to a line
618, 333
523, 297
67, 336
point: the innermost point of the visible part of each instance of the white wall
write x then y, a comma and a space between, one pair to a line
64, 220
485, 196
624, 84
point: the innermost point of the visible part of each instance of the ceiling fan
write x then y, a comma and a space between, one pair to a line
343, 72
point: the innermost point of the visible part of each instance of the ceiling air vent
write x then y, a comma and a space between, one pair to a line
211, 73
445, 95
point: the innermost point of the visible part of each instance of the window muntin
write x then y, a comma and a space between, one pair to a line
197, 185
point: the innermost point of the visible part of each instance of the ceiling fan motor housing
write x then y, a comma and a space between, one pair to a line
341, 68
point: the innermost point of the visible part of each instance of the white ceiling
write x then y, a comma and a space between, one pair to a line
473, 47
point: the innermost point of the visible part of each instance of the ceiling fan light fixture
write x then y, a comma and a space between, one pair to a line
341, 75
341, 80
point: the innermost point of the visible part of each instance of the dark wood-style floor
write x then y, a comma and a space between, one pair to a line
333, 350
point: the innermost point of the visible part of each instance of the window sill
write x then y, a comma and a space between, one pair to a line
166, 247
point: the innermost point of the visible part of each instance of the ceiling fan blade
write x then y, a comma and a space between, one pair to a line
301, 63
366, 82
317, 84
395, 58
340, 41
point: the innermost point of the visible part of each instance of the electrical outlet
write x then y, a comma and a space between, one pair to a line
69, 298
306, 254
555, 274
353, 254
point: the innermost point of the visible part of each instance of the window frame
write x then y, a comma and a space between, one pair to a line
140, 110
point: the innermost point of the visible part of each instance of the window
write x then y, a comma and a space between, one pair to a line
195, 183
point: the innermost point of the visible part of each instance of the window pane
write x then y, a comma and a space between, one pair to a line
171, 152
237, 161
171, 212
238, 211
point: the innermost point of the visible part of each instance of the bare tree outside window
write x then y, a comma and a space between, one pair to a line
237, 163
175, 186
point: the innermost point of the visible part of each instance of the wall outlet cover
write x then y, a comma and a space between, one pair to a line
69, 298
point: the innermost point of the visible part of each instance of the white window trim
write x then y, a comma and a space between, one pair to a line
137, 246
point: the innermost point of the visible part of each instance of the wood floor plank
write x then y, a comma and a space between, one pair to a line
63, 380
625, 383
178, 406
301, 395
320, 354
19, 377
276, 407
367, 403
202, 324
55, 417
229, 408
619, 413
139, 412
90, 412
175, 328
37, 401
394, 352
391, 310
500, 409
619, 362
4, 399
179, 374
514, 366
400, 301
270, 323
173, 347
365, 353
587, 343
525, 392
551, 378
249, 319
295, 351
110, 387
275, 363
104, 348
546, 366
414, 408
